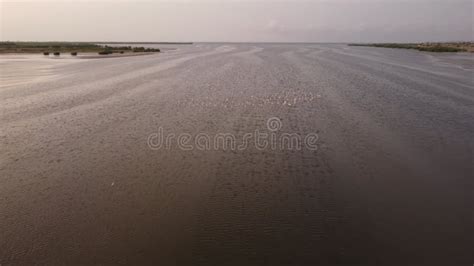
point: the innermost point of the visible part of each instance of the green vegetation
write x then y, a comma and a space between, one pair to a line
68, 47
45, 47
145, 50
426, 47
121, 49
105, 52
441, 49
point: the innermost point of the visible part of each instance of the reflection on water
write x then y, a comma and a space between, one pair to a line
18, 69
162, 47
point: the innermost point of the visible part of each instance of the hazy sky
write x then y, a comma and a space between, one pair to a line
238, 20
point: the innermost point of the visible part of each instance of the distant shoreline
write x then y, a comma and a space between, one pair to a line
174, 43
73, 48
447, 47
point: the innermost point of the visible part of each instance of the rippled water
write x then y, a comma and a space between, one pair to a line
389, 182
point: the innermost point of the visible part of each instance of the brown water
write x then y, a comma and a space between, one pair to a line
390, 182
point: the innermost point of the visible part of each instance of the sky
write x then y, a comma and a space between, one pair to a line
238, 20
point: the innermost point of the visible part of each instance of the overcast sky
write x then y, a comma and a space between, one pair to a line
238, 20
